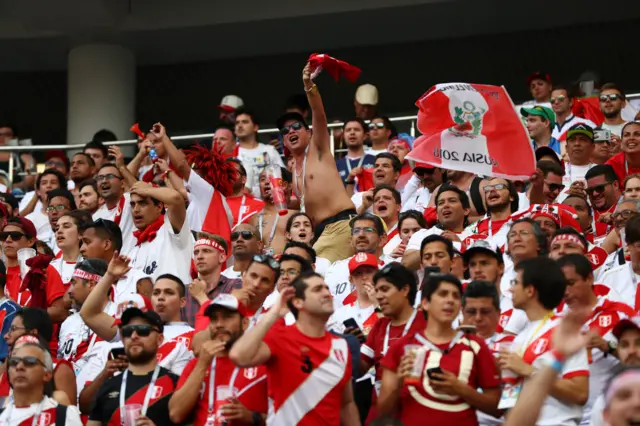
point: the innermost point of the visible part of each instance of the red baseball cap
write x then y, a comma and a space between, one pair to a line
423, 166
538, 75
57, 153
362, 259
25, 224
626, 324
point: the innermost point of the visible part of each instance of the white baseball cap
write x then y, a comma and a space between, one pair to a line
224, 300
230, 103
367, 94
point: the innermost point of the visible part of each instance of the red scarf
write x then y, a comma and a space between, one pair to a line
36, 280
150, 232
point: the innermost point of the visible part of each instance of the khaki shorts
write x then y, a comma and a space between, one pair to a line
335, 241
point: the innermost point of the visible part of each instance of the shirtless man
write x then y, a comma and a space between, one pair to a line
271, 226
316, 180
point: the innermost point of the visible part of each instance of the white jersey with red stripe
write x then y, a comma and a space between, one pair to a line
365, 317
21, 416
128, 285
175, 352
416, 239
623, 282
122, 210
75, 336
534, 342
493, 343
337, 278
65, 269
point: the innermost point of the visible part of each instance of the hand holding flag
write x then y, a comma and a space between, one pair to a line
334, 66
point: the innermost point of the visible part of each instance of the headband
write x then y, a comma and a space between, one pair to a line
79, 273
620, 381
28, 338
568, 237
210, 243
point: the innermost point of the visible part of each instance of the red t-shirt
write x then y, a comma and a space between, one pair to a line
307, 376
55, 288
602, 229
371, 351
618, 164
469, 359
250, 385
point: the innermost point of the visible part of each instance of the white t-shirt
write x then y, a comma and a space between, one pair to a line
614, 129
535, 337
128, 285
200, 195
337, 278
419, 200
168, 253
356, 199
365, 317
231, 274
65, 269
322, 265
596, 411
623, 282
43, 227
255, 160
126, 218
19, 416
26, 198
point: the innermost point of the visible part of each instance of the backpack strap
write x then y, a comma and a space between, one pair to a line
61, 415
476, 197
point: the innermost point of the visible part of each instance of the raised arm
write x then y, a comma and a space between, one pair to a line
320, 137
135, 164
176, 157
173, 201
129, 178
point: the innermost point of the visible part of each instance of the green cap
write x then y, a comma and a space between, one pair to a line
540, 111
582, 129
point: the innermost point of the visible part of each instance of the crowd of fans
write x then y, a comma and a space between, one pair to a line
172, 289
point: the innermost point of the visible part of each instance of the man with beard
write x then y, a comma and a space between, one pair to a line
604, 315
270, 223
245, 243
603, 190
316, 181
144, 382
355, 132
386, 170
612, 101
367, 236
302, 359
627, 332
88, 198
242, 205
213, 371
117, 203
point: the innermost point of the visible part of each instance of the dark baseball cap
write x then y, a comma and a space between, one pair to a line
25, 224
580, 129
290, 116
545, 151
538, 75
149, 316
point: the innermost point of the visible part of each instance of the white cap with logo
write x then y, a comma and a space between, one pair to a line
230, 103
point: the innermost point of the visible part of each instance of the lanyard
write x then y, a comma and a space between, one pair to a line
453, 342
538, 328
212, 379
244, 199
348, 161
385, 344
273, 228
147, 396
300, 194
36, 415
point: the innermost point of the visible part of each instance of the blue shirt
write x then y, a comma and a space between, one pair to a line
344, 170
553, 144
8, 309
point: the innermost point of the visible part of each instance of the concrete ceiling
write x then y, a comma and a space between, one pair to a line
38, 34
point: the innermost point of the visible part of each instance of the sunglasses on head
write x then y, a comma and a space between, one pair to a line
28, 361
264, 259
286, 129
373, 126
246, 235
15, 236
612, 97
421, 172
142, 330
598, 188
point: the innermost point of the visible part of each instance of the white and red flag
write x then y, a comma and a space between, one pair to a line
472, 128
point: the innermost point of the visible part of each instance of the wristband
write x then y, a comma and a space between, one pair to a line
310, 89
558, 361
350, 182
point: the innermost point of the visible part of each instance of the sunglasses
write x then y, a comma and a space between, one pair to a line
612, 97
286, 129
264, 259
246, 235
421, 172
28, 361
15, 236
142, 330
373, 126
59, 207
599, 189
560, 98
496, 187
108, 176
553, 187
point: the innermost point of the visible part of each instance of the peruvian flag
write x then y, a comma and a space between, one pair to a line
473, 128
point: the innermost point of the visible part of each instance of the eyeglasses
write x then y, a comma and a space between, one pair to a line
50, 164
264, 259
624, 214
59, 207
560, 98
15, 236
497, 187
15, 328
522, 233
246, 235
365, 230
422, 171
373, 126
142, 330
598, 188
286, 129
108, 176
28, 361
612, 97
553, 187
484, 312
290, 272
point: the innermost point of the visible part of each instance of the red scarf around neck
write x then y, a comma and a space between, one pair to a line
150, 232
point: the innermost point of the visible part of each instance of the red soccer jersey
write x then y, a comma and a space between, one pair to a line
619, 166
250, 387
469, 359
602, 229
307, 376
372, 350
55, 289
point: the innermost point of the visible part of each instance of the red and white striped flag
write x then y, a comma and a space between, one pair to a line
473, 128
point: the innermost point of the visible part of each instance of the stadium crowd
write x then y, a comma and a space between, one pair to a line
250, 283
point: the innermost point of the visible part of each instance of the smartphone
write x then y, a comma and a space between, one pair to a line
468, 328
431, 371
602, 135
115, 352
350, 323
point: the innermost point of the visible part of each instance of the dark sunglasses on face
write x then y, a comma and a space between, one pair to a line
421, 172
142, 330
558, 98
599, 189
28, 361
246, 235
553, 187
286, 129
264, 259
373, 126
612, 97
15, 236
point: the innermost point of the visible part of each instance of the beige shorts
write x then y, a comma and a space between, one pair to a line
335, 241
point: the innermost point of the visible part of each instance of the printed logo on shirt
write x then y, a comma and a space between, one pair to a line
592, 258
184, 340
149, 270
157, 392
541, 346
112, 395
604, 320
45, 419
339, 355
250, 373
